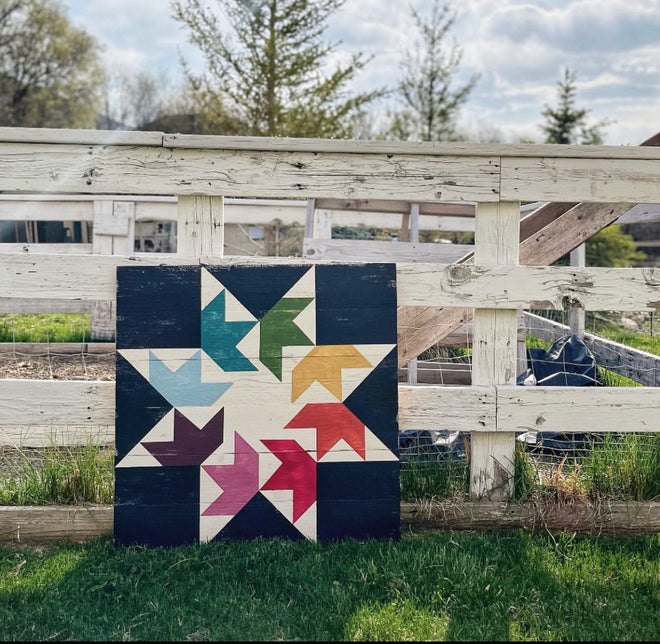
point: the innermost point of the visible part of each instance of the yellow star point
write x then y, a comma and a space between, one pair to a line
323, 364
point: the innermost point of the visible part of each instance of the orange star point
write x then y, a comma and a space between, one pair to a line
323, 364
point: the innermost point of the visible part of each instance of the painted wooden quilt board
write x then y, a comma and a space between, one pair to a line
256, 401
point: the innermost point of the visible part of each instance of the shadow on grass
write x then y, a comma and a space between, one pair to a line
433, 586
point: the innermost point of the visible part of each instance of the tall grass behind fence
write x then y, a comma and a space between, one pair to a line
434, 464
550, 465
506, 272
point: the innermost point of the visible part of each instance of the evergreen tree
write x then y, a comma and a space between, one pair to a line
264, 67
431, 101
565, 123
50, 73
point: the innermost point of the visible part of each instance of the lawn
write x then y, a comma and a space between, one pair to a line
428, 586
45, 327
438, 586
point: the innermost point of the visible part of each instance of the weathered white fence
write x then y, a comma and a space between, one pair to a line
130, 225
199, 171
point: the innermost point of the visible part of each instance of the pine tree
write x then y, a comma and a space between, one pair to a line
264, 67
431, 100
567, 124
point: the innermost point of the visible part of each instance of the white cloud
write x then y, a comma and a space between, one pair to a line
136, 34
519, 48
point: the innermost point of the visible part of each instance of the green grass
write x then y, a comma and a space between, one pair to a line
429, 477
62, 475
525, 476
641, 341
609, 378
46, 327
426, 587
623, 466
449, 354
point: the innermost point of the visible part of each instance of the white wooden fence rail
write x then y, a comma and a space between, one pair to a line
203, 170
92, 277
32, 412
456, 217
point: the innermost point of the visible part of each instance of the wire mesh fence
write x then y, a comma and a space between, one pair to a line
50, 364
619, 350
436, 463
52, 346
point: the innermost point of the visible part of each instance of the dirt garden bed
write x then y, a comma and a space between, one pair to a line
78, 366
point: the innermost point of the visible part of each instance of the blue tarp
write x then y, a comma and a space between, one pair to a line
567, 363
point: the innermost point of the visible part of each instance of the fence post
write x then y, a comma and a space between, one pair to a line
578, 257
494, 350
413, 236
522, 343
113, 234
200, 226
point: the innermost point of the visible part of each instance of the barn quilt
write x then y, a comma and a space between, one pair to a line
256, 401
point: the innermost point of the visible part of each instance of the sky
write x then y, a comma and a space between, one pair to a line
517, 48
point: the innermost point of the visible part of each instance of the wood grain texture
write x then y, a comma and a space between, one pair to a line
42, 525
565, 225
56, 402
109, 220
321, 224
340, 169
494, 350
200, 231
584, 409
494, 347
14, 209
103, 319
541, 287
84, 137
124, 219
404, 147
90, 416
351, 250
436, 373
85, 277
47, 524
244, 173
431, 407
102, 244
571, 179
568, 231
564, 233
548, 212
542, 216
462, 210
45, 248
580, 515
578, 257
238, 211
44, 305
420, 327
